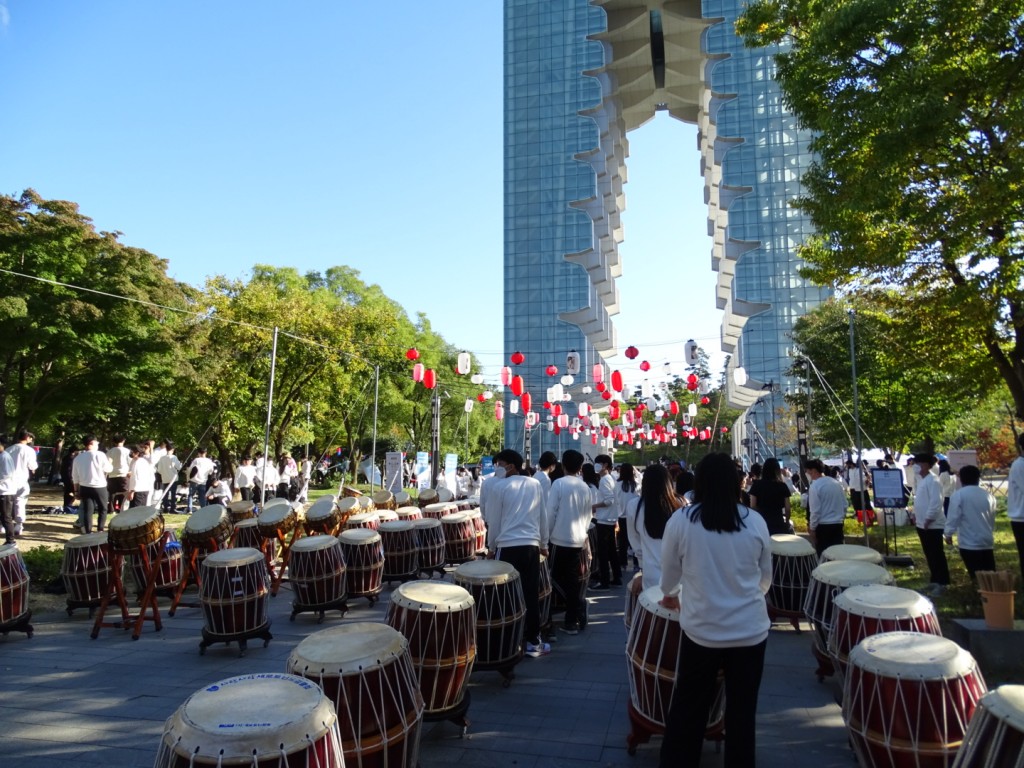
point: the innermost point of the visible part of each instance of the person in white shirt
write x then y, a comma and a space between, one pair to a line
947, 482
716, 568
219, 492
8, 492
265, 480
972, 517
827, 502
117, 479
545, 466
515, 521
200, 473
626, 489
156, 452
167, 468
305, 473
25, 463
569, 512
930, 522
245, 478
141, 477
89, 475
646, 516
606, 515
1015, 502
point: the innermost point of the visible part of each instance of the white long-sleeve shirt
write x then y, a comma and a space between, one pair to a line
928, 503
606, 509
168, 466
545, 483
648, 548
142, 476
203, 468
721, 579
89, 469
569, 503
8, 479
1015, 491
244, 476
25, 463
515, 513
623, 497
120, 459
972, 515
827, 501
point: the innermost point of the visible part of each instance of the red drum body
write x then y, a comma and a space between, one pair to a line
263, 720
368, 520
364, 558
866, 610
459, 538
439, 621
793, 561
14, 582
85, 568
276, 519
439, 510
409, 513
233, 591
241, 510
829, 580
366, 671
908, 699
652, 658
171, 567
316, 571
247, 534
500, 610
995, 737
323, 517
479, 530
134, 528
429, 543
398, 537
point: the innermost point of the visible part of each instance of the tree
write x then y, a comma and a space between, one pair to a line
83, 358
918, 111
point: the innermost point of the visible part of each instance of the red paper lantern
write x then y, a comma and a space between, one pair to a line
517, 357
412, 354
600, 386
645, 366
692, 385
551, 370
547, 406
499, 411
632, 352
517, 385
429, 378
613, 411
616, 381
705, 400
725, 430
691, 379
480, 398
556, 410
673, 408
527, 401
606, 395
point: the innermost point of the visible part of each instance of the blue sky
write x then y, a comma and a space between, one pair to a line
223, 134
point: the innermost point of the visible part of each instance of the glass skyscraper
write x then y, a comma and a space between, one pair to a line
579, 75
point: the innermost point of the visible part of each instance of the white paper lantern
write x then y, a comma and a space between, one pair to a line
463, 363
477, 378
692, 410
567, 380
572, 363
513, 406
488, 395
739, 376
469, 405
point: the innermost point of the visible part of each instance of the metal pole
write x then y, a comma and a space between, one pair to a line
308, 435
771, 404
270, 409
373, 451
435, 437
856, 416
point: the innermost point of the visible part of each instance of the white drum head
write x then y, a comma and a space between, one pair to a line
240, 506
386, 516
362, 517
382, 497
273, 515
649, 600
443, 494
229, 558
407, 512
241, 719
880, 601
1006, 703
11, 550
426, 522
402, 498
358, 536
86, 540
396, 526
437, 510
250, 522
428, 495
848, 573
486, 572
347, 649
132, 518
912, 655
790, 545
432, 596
365, 502
274, 504
314, 543
206, 519
851, 552
322, 508
455, 518
348, 504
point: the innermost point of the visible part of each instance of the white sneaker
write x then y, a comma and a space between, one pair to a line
536, 651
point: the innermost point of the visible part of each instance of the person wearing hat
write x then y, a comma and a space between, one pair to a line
931, 521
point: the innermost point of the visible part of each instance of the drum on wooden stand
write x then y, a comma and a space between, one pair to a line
364, 559
500, 613
134, 528
85, 570
633, 590
793, 561
439, 621
246, 534
383, 499
262, 720
366, 504
908, 699
995, 736
870, 609
652, 661
828, 581
347, 506
426, 497
856, 552
366, 671
323, 517
167, 576
316, 572
241, 510
233, 592
402, 499
479, 529
206, 531
429, 545
14, 585
459, 538
277, 519
401, 561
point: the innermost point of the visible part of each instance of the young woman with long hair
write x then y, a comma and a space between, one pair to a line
646, 516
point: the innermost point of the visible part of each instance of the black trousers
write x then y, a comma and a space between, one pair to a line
7, 517
93, 499
622, 542
570, 570
526, 560
607, 555
140, 499
931, 543
978, 560
694, 694
827, 534
1018, 536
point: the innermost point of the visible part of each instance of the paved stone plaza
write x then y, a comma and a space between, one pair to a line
70, 700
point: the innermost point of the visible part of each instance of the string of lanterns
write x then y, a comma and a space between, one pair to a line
659, 426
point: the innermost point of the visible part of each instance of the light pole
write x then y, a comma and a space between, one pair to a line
770, 386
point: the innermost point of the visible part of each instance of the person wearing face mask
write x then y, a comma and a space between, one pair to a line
515, 520
606, 515
931, 521
569, 511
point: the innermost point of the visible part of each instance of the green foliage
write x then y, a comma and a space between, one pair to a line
918, 109
43, 564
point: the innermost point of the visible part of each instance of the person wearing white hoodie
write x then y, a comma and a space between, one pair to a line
931, 521
516, 518
569, 512
1015, 501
